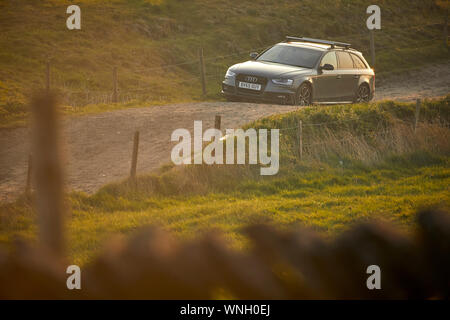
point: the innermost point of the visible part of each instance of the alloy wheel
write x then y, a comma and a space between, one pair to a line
304, 95
363, 94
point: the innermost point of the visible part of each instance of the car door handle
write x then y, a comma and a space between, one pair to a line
338, 77
356, 76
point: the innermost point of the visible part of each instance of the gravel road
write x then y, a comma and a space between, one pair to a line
97, 148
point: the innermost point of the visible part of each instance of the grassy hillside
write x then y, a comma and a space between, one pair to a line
140, 36
364, 162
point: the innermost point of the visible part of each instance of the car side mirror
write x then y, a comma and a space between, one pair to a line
326, 66
253, 55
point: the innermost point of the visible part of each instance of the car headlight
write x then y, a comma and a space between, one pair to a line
230, 74
283, 82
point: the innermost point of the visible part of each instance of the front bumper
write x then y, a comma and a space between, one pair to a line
269, 93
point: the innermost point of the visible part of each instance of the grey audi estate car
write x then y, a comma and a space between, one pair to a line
302, 71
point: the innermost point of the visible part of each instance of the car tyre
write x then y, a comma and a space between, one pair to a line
363, 94
303, 96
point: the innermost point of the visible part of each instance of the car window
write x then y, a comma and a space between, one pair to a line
295, 56
359, 64
345, 61
329, 58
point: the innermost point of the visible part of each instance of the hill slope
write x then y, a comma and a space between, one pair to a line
140, 36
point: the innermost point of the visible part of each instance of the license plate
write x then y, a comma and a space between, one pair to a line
251, 86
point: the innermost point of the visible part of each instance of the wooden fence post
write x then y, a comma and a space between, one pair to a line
217, 122
202, 71
47, 77
300, 139
48, 174
134, 156
217, 125
29, 176
446, 28
417, 113
372, 48
115, 84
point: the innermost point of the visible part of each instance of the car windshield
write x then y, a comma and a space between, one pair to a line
294, 56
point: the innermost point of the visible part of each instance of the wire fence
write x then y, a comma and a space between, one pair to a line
210, 72
334, 137
334, 134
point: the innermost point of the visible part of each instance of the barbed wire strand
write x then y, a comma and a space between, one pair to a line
264, 47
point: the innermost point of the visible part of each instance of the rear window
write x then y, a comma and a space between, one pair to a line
345, 61
294, 56
359, 64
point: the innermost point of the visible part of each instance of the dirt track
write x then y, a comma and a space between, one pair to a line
98, 147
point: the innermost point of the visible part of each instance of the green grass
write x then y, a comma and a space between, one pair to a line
139, 35
326, 191
328, 201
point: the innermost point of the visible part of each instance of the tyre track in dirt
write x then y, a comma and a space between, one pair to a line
97, 148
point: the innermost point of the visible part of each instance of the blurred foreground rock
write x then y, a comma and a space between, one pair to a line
280, 265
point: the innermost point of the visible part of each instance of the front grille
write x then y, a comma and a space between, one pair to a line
251, 79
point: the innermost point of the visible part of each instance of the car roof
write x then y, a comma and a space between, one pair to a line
315, 46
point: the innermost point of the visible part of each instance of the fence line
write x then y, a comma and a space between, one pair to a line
418, 42
361, 35
299, 136
338, 121
367, 35
115, 94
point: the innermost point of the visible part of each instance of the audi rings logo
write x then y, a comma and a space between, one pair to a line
251, 79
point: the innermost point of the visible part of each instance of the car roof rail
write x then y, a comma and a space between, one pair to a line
311, 40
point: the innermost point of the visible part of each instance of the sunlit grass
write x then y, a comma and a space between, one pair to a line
329, 190
328, 208
137, 36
